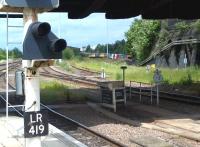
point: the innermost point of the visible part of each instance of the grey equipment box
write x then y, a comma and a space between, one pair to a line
112, 92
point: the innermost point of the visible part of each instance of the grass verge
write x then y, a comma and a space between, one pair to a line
140, 74
56, 92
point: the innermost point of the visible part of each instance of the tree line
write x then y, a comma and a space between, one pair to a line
138, 43
15, 53
118, 48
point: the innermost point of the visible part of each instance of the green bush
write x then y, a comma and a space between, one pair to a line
196, 25
68, 53
182, 26
163, 38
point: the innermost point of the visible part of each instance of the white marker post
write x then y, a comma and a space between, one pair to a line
103, 75
31, 81
185, 61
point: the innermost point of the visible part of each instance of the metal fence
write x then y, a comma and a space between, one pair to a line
144, 90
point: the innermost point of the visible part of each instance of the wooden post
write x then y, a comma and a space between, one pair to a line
32, 86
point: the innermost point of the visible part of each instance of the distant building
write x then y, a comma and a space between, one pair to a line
82, 49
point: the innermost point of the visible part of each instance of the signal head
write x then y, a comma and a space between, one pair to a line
41, 43
41, 29
58, 45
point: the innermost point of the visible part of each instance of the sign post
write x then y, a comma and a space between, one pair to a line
157, 79
123, 67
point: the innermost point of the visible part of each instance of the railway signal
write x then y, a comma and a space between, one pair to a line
40, 48
41, 43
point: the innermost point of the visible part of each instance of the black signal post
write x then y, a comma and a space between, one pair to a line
123, 67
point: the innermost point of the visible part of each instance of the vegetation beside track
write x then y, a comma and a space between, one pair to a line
53, 92
112, 68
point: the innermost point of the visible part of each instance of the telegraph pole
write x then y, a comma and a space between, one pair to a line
107, 38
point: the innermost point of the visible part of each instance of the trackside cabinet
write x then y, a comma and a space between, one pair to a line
112, 92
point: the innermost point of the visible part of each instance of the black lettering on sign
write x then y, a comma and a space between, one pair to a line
119, 93
106, 96
35, 124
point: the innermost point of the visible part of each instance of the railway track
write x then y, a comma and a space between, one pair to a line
94, 139
73, 128
50, 72
12, 66
165, 95
10, 86
86, 70
80, 131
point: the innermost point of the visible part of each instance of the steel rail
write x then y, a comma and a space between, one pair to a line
85, 70
68, 77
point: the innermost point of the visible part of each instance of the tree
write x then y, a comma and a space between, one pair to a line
118, 47
140, 38
88, 49
2, 54
15, 53
100, 48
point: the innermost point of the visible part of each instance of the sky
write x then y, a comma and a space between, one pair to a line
92, 30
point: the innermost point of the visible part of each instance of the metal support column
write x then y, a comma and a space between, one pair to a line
32, 86
7, 68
